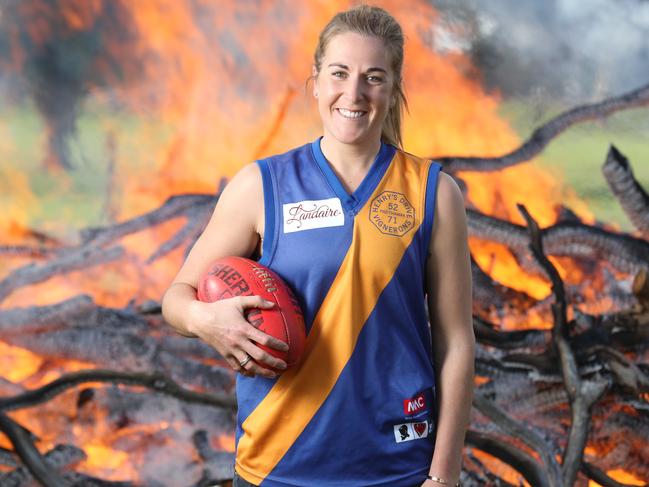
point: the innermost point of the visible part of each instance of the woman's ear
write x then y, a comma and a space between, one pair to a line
314, 75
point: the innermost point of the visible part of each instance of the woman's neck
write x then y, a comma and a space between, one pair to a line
348, 158
349, 162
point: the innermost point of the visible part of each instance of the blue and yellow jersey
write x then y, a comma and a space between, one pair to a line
359, 409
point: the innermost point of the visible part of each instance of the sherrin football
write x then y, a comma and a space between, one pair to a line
237, 276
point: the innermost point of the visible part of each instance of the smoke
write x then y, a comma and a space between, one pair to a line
559, 49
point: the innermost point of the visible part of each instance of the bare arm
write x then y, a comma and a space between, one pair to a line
449, 291
234, 229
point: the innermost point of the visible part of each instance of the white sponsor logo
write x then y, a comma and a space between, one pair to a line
310, 214
410, 431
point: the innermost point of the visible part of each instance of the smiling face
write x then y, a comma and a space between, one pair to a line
354, 89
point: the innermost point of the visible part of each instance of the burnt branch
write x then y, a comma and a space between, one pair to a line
71, 260
174, 207
569, 239
218, 464
633, 198
93, 252
542, 136
489, 293
626, 373
35, 319
125, 350
29, 454
25, 251
189, 232
524, 434
511, 455
155, 381
58, 458
7, 457
487, 334
483, 476
582, 394
594, 473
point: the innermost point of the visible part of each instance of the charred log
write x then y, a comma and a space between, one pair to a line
582, 394
29, 454
490, 294
175, 206
525, 434
218, 465
569, 239
633, 198
511, 455
594, 473
542, 136
487, 334
70, 261
156, 382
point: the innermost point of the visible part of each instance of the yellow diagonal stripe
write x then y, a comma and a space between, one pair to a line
370, 263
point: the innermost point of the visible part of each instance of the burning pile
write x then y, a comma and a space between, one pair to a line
551, 403
112, 396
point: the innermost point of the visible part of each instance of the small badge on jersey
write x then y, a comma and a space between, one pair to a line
414, 405
310, 214
392, 214
410, 431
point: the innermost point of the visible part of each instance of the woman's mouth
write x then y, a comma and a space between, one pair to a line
351, 114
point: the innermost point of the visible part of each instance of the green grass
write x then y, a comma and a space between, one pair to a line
576, 156
66, 201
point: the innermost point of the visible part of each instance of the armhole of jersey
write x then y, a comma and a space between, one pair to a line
429, 211
268, 245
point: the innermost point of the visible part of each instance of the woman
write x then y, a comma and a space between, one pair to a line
364, 233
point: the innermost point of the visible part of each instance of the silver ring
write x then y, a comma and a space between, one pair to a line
245, 360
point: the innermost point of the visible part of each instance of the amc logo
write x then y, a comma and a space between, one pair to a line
414, 405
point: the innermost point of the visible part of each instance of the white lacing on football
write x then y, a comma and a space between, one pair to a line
266, 279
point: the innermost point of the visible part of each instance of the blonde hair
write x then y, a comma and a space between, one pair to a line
373, 22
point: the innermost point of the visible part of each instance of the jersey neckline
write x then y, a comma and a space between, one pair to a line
354, 201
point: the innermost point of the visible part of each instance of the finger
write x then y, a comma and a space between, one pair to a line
265, 339
245, 365
234, 364
252, 368
264, 358
255, 302
255, 368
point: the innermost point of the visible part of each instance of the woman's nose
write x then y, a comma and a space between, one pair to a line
354, 89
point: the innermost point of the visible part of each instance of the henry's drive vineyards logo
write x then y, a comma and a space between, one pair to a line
310, 214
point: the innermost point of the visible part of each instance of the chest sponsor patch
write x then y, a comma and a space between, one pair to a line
410, 431
392, 214
310, 214
415, 405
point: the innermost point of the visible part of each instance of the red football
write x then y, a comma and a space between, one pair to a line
237, 276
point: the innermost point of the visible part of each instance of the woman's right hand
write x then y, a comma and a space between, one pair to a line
222, 324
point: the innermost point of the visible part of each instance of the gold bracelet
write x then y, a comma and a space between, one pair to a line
440, 480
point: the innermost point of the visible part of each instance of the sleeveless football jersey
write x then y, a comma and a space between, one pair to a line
359, 409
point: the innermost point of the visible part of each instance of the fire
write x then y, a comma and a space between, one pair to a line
198, 100
225, 443
621, 476
501, 469
17, 363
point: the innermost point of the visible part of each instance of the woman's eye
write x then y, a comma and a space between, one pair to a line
338, 74
374, 79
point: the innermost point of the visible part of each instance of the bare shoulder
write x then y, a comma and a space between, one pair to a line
449, 209
245, 184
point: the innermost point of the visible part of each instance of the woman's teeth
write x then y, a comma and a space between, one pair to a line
350, 114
